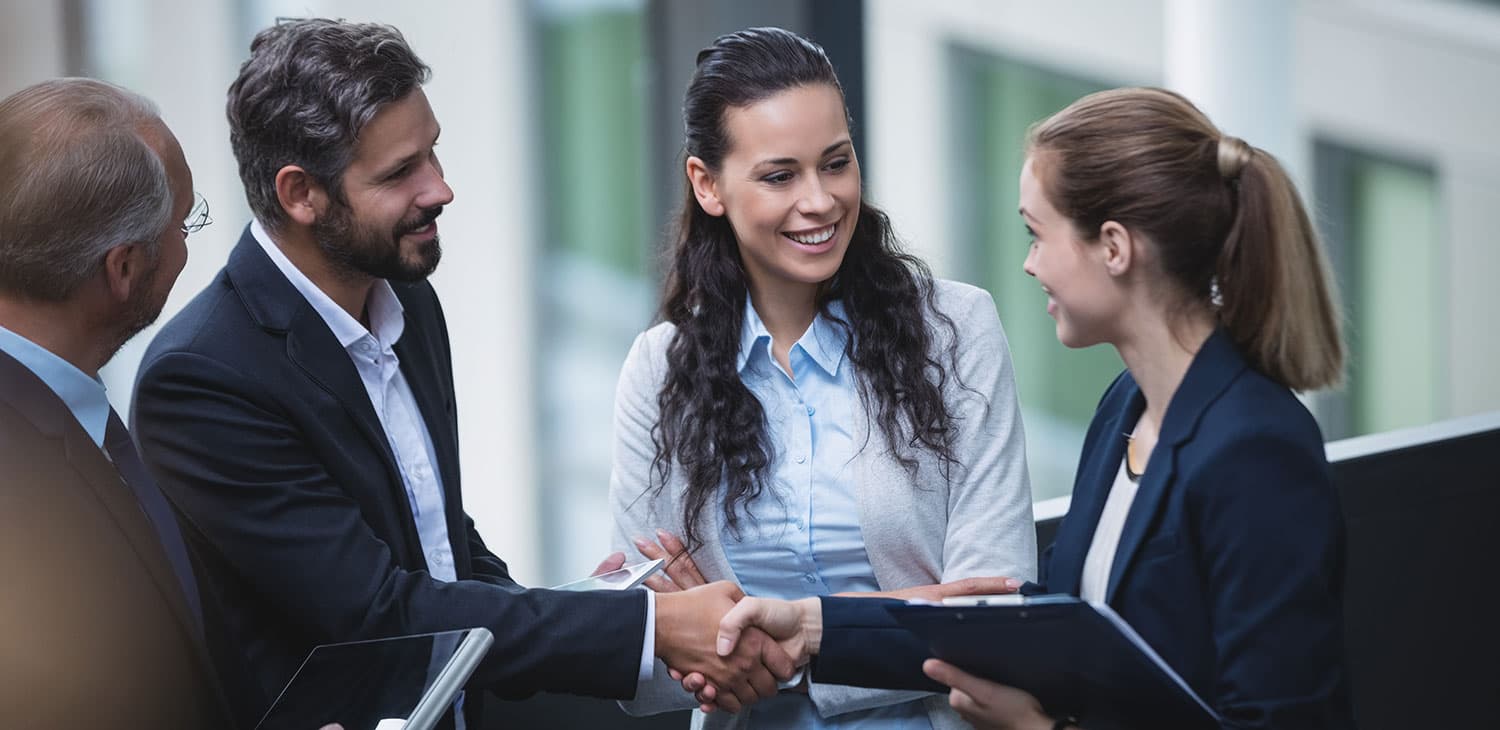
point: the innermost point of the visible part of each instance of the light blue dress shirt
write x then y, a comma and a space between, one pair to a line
802, 536
84, 396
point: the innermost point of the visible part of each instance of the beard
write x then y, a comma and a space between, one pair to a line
140, 312
357, 250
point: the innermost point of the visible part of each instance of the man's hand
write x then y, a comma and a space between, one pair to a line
680, 572
988, 705
797, 627
936, 592
687, 627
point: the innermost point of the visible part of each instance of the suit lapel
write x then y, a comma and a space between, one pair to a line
1090, 491
38, 404
1213, 368
275, 304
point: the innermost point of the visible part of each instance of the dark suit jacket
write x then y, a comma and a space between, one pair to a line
1231, 559
94, 630
255, 422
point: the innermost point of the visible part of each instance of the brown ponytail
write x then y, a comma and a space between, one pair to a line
1227, 221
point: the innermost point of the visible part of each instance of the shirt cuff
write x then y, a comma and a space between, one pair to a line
648, 645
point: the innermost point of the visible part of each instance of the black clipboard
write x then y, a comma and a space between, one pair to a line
359, 684
1076, 658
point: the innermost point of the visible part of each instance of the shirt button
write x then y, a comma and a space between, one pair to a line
801, 459
797, 523
811, 410
809, 578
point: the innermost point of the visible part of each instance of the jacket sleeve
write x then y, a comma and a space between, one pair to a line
989, 527
1272, 546
248, 482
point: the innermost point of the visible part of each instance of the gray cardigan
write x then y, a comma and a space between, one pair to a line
916, 532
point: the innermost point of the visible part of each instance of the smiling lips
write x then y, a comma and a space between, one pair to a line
816, 240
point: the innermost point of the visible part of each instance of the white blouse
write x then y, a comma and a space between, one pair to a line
1101, 556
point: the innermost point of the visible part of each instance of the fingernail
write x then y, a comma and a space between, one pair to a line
725, 646
640, 542
1013, 583
662, 534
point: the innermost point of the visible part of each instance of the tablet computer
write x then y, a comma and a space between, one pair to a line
360, 685
629, 576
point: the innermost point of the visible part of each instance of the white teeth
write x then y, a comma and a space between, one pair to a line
814, 238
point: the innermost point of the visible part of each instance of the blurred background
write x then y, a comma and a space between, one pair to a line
562, 141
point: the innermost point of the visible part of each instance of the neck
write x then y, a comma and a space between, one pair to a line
59, 328
1158, 352
787, 312
349, 290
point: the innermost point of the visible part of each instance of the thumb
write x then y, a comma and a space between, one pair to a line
742, 616
613, 562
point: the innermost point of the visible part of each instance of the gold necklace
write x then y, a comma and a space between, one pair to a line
1130, 471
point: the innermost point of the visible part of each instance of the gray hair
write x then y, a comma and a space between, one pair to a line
308, 89
77, 178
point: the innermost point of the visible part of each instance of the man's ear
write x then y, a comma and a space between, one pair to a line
127, 268
302, 197
705, 187
1119, 246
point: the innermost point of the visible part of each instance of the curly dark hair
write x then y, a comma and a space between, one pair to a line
710, 423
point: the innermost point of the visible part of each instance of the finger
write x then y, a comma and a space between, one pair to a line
762, 681
963, 704
684, 564
739, 618
981, 586
697, 683
662, 584
649, 549
728, 702
613, 562
675, 675
776, 660
958, 679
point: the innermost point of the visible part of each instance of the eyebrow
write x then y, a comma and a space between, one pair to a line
830, 149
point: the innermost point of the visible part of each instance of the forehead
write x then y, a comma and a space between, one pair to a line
160, 139
790, 123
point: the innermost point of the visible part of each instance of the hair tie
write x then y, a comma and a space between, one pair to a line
1234, 154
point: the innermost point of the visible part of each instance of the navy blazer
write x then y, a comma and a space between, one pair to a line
1230, 564
96, 630
257, 426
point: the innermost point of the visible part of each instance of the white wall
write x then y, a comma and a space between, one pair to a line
1416, 79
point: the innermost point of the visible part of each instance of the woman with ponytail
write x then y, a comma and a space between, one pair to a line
815, 414
1203, 511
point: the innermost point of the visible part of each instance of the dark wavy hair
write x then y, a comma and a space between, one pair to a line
710, 424
308, 88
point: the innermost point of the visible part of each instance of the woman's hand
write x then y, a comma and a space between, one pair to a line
680, 572
938, 591
988, 705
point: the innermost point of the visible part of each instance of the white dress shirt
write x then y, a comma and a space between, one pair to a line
374, 356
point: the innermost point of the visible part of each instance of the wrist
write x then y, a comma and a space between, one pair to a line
812, 623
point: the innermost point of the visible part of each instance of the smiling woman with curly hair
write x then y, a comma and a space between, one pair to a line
815, 414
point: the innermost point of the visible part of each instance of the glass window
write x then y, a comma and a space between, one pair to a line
999, 100
596, 289
1380, 222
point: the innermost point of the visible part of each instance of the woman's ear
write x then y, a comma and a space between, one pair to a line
1119, 247
300, 195
705, 187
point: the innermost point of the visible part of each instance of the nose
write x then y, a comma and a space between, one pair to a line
435, 189
1028, 266
816, 201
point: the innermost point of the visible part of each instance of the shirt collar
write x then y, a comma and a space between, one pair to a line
84, 396
386, 313
824, 341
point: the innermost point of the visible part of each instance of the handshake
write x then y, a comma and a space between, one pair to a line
730, 650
